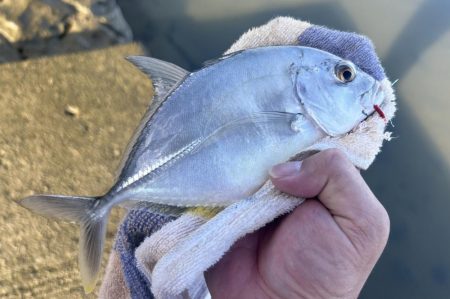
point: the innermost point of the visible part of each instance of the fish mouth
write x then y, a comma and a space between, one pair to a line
371, 101
361, 106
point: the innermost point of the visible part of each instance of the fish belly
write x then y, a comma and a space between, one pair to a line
226, 167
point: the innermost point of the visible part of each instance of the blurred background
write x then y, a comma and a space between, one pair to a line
68, 104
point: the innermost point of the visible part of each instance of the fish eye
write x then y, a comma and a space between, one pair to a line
345, 72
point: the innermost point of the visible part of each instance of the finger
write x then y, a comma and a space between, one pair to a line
333, 179
232, 273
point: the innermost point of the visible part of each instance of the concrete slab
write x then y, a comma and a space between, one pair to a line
44, 149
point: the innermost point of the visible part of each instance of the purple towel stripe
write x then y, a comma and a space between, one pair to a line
138, 225
350, 46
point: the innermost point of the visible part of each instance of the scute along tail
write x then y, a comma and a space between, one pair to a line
92, 217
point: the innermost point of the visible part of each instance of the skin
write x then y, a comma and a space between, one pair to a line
325, 248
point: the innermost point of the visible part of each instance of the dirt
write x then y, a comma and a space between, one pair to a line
45, 149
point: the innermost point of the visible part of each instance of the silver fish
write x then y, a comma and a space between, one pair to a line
210, 136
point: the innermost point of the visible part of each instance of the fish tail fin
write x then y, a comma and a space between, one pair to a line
91, 214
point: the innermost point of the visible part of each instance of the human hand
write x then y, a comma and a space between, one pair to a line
325, 248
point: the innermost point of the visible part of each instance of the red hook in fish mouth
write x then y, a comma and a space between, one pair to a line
379, 111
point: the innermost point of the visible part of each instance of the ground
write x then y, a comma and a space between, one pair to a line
48, 147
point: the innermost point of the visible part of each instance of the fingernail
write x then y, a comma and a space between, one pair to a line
285, 169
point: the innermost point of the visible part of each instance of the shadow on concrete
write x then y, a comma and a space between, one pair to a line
413, 183
188, 42
429, 23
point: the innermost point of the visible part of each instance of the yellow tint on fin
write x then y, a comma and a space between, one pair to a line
205, 212
90, 286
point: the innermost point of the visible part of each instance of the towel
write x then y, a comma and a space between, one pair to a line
137, 225
174, 258
114, 285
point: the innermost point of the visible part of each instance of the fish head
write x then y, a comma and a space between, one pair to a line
335, 93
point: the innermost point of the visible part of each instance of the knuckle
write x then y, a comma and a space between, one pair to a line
334, 154
330, 161
383, 224
377, 223
371, 230
336, 159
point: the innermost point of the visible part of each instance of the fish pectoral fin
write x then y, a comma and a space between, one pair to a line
269, 117
263, 117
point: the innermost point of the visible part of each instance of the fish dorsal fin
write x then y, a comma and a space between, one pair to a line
158, 70
165, 77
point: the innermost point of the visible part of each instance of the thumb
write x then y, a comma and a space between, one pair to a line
339, 186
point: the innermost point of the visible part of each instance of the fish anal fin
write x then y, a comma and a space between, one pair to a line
155, 208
